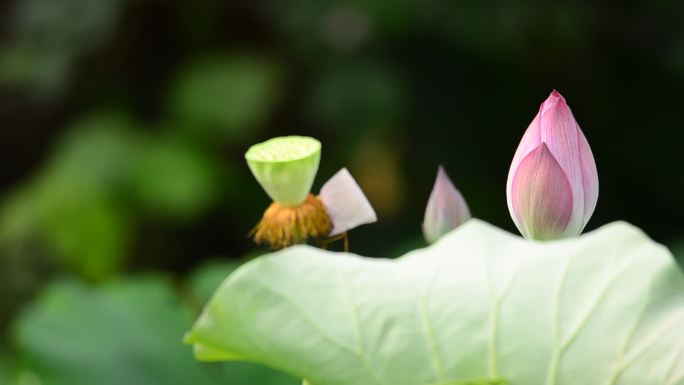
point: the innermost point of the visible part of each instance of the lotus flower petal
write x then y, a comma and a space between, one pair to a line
446, 208
541, 196
590, 181
346, 204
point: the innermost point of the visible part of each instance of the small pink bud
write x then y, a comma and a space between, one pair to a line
446, 208
552, 185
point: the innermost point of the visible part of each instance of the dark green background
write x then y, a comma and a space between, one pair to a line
125, 122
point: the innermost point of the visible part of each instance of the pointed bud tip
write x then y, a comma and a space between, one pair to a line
543, 150
555, 99
442, 181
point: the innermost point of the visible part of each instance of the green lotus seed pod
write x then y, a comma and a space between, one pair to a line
285, 167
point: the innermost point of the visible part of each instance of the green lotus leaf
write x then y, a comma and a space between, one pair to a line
480, 306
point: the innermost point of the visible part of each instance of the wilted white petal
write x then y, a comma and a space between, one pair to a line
346, 204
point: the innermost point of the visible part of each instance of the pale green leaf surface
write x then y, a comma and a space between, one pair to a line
479, 306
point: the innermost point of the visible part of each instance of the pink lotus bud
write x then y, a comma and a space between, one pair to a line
552, 185
446, 208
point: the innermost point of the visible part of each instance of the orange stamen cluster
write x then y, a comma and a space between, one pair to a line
285, 226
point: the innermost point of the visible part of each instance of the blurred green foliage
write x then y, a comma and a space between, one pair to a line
207, 278
71, 207
173, 179
125, 124
224, 97
50, 36
125, 332
4, 371
358, 97
677, 248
